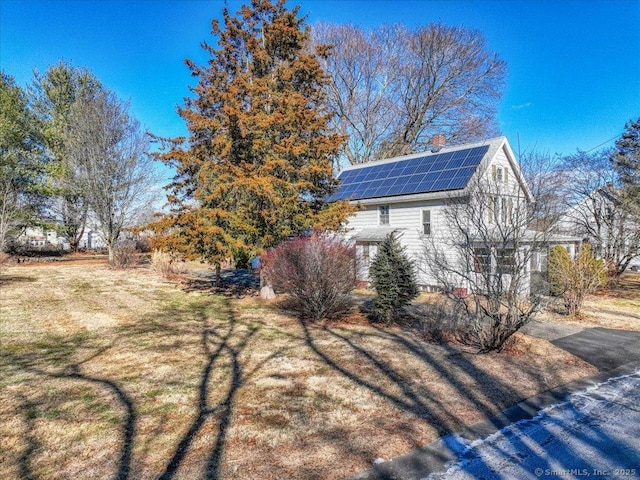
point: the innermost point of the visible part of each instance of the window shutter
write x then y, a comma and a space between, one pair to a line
506, 175
495, 174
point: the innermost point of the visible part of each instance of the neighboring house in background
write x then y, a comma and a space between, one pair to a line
410, 194
39, 238
600, 220
92, 239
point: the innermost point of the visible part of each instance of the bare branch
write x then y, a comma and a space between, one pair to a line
109, 151
394, 88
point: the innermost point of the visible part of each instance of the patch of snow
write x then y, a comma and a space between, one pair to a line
593, 433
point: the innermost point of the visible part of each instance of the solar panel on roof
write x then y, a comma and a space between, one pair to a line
429, 173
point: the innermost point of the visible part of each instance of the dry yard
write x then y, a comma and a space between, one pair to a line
109, 373
617, 307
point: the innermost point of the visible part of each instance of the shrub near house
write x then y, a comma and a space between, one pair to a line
317, 272
573, 279
393, 277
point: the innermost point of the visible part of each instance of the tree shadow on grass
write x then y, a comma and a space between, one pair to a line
236, 283
73, 371
222, 343
472, 385
29, 414
7, 279
217, 346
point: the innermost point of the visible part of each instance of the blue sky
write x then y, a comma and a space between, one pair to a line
574, 66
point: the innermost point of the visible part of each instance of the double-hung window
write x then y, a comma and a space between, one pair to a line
504, 210
366, 255
505, 260
426, 222
500, 174
384, 215
482, 260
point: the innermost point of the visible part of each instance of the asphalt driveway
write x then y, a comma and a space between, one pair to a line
604, 348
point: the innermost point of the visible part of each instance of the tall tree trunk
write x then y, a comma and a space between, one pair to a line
218, 275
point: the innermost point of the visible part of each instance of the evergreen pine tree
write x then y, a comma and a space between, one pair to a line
393, 277
258, 161
626, 160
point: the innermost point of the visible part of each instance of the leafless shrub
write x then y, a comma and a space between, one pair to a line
166, 265
483, 260
433, 321
318, 273
125, 255
573, 279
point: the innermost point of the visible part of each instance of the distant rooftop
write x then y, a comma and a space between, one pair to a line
449, 169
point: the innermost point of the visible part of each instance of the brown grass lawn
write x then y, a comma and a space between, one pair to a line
107, 373
617, 307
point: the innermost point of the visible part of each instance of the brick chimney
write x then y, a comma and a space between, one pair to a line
437, 142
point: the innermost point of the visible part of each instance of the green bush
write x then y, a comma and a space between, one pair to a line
393, 277
241, 258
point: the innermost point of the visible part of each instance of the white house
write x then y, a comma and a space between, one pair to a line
92, 238
39, 238
600, 219
413, 194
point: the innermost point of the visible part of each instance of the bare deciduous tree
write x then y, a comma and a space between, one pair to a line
394, 88
109, 152
481, 256
540, 171
597, 210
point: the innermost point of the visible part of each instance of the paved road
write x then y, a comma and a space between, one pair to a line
594, 433
589, 428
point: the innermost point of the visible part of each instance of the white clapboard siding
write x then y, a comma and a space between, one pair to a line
406, 216
407, 219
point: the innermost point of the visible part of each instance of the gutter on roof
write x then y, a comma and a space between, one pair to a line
415, 197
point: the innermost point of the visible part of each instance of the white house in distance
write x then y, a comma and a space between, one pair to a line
410, 194
599, 219
37, 237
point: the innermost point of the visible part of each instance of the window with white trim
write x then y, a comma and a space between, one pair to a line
366, 257
426, 222
505, 260
503, 210
481, 260
500, 174
384, 214
490, 209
